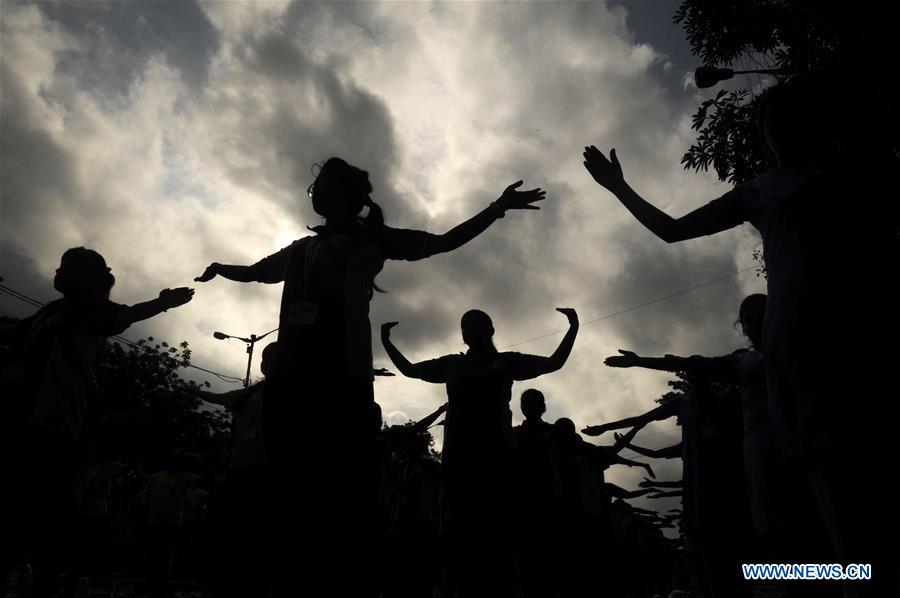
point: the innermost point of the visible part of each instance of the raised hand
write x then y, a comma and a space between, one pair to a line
626, 359
520, 200
594, 430
606, 172
170, 298
211, 271
386, 329
570, 314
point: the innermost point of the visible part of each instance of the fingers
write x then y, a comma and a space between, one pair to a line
612, 156
592, 153
515, 186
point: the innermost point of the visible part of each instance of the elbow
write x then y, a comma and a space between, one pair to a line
410, 371
437, 245
670, 236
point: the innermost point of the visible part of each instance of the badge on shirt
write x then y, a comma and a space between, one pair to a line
302, 312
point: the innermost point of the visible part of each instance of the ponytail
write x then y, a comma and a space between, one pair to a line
375, 217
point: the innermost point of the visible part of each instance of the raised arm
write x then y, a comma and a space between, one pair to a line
559, 357
532, 366
410, 370
168, 298
608, 173
511, 199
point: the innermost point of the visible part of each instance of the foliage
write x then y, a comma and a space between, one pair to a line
158, 410
852, 42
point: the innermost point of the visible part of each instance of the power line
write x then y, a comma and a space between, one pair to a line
639, 306
35, 303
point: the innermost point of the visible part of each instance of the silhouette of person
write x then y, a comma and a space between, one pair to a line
49, 431
167, 495
477, 443
322, 369
714, 495
538, 497
802, 207
746, 369
410, 564
586, 549
246, 490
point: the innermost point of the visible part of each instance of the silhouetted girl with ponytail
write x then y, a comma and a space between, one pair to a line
322, 369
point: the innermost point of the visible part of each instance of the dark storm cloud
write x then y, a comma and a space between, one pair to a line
120, 36
114, 121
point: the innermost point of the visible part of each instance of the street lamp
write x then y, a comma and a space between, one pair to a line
250, 342
707, 76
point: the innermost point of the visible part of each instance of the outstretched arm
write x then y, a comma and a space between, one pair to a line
628, 359
425, 423
168, 298
623, 461
716, 368
698, 223
235, 273
229, 399
641, 511
659, 484
619, 492
669, 452
623, 440
511, 199
672, 494
660, 413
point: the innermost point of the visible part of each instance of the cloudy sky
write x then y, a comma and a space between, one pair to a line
168, 135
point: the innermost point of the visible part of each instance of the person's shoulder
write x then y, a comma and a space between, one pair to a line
512, 356
778, 182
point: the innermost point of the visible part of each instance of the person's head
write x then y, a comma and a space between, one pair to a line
267, 354
567, 425
477, 330
791, 122
533, 405
750, 316
341, 190
83, 274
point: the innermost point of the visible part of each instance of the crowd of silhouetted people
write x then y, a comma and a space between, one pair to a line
786, 444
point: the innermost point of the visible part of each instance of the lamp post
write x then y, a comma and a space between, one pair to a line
250, 342
707, 76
